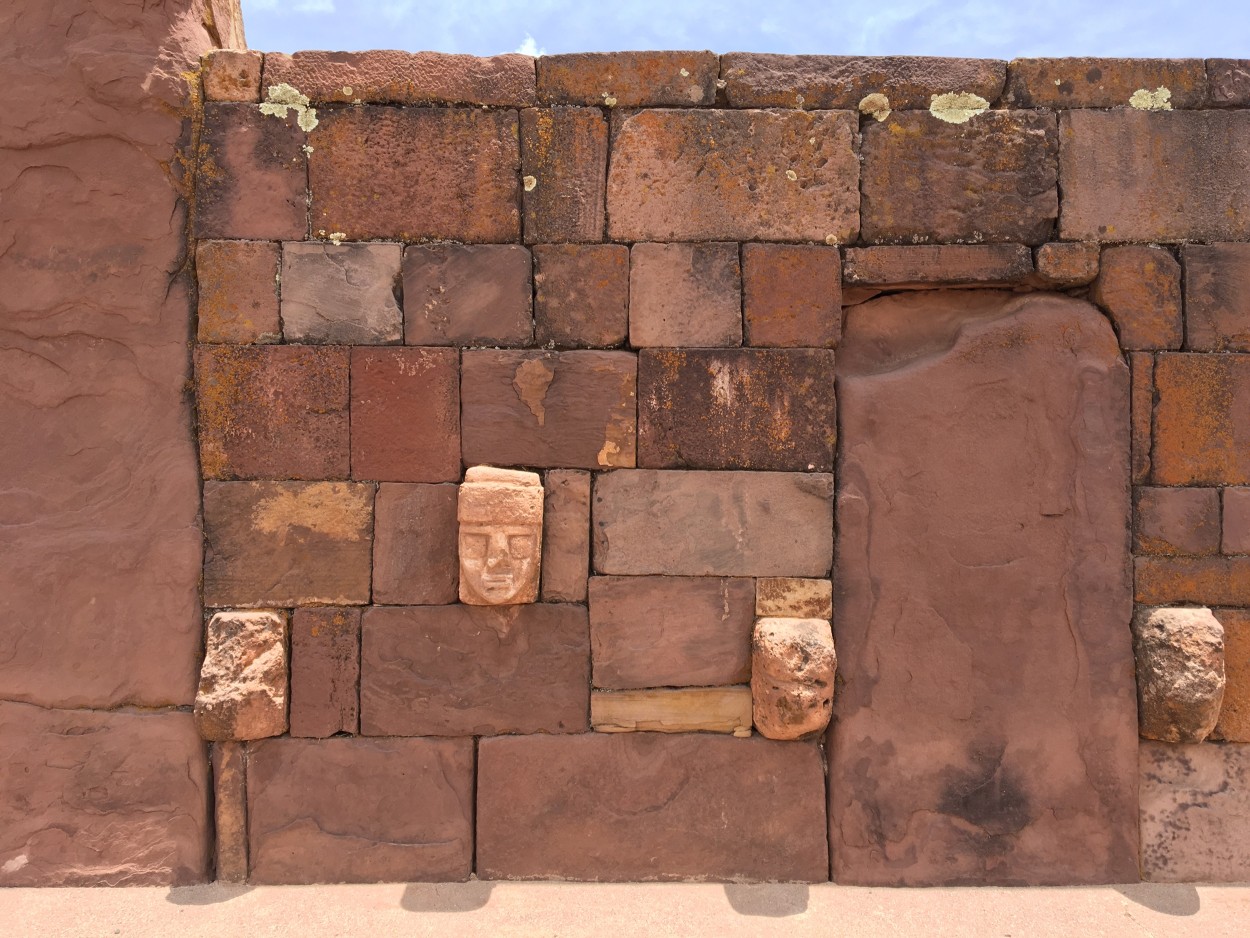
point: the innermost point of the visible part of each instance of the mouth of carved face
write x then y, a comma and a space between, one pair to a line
496, 561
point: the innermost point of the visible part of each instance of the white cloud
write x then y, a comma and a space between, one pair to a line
296, 6
529, 47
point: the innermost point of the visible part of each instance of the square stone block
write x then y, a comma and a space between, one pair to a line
231, 75
1217, 297
464, 294
792, 295
1140, 287
415, 552
684, 295
581, 294
1177, 521
344, 294
1201, 434
325, 670
238, 289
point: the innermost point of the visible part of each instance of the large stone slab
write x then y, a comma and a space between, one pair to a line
111, 799
985, 726
649, 806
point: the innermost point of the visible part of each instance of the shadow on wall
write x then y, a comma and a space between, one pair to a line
446, 897
1170, 899
772, 900
206, 894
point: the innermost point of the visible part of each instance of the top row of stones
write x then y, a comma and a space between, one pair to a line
736, 79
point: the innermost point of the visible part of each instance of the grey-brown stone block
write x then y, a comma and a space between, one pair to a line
325, 670
414, 545
467, 294
341, 294
566, 536
685, 295
1217, 297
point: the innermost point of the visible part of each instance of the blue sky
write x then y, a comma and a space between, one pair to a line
994, 28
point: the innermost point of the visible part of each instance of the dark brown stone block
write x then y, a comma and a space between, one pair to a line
1142, 365
913, 265
736, 409
1140, 287
1141, 176
232, 75
102, 799
415, 559
685, 295
564, 410
628, 79
1234, 722
564, 160
990, 179
405, 414
658, 631
283, 544
1102, 83
1230, 82
566, 535
360, 810
463, 294
1203, 581
1068, 263
1177, 521
474, 670
343, 294
792, 295
650, 806
985, 441
581, 294
325, 670
412, 174
251, 180
272, 412
1217, 297
713, 524
229, 763
754, 79
1201, 435
238, 287
718, 175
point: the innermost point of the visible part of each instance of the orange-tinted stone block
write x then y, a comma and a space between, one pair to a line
238, 282
1201, 430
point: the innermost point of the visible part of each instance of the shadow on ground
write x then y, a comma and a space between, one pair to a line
773, 900
207, 894
446, 897
1170, 899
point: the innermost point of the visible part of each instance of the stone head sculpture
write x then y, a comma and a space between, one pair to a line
792, 668
501, 534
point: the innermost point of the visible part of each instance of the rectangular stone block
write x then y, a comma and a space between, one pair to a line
244, 679
794, 597
272, 412
649, 806
415, 538
238, 288
341, 294
562, 410
792, 295
1217, 297
685, 295
566, 536
1201, 434
628, 79
91, 798
1203, 581
1140, 288
360, 810
673, 710
581, 295
1229, 81
564, 162
914, 265
718, 175
229, 765
1086, 81
231, 75
1068, 263
655, 631
406, 414
1234, 721
1142, 366
992, 178
283, 544
713, 523
1174, 521
325, 670
1195, 813
414, 174
1130, 175
468, 294
474, 670
1236, 538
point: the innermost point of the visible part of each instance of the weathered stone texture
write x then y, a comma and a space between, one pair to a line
717, 175
1068, 263
1140, 176
360, 810
1195, 813
792, 669
1180, 673
325, 670
736, 409
1177, 521
1234, 721
1230, 82
566, 536
1103, 83
1236, 520
474, 670
462, 294
413, 174
1201, 434
346, 294
563, 410
912, 265
1142, 366
581, 294
243, 681
1140, 287
685, 295
792, 295
982, 563
564, 162
628, 79
673, 710
713, 524
1217, 297
238, 291
648, 806
414, 545
794, 597
990, 179
1206, 581
656, 631
232, 75
229, 765
92, 799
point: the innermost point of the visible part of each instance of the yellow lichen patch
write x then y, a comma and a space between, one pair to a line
1145, 100
957, 107
530, 182
282, 98
335, 509
877, 105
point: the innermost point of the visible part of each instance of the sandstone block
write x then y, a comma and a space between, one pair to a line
562, 410
566, 535
325, 670
386, 76
1141, 176
650, 806
754, 79
581, 294
1180, 673
1195, 813
1208, 581
684, 295
794, 597
1140, 287
976, 417
792, 668
278, 412
564, 162
229, 764
992, 178
345, 294
1217, 297
251, 180
1234, 721
282, 544
1142, 365
1086, 81
736, 409
414, 174
792, 295
238, 286
717, 175
673, 710
92, 798
360, 810
415, 537
406, 414
713, 524
243, 682
1201, 436
911, 265
1237, 520
1230, 82
1177, 521
231, 75
500, 516
462, 294
656, 631
628, 79
474, 670
1068, 263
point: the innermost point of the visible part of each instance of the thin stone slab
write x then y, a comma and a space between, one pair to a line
985, 726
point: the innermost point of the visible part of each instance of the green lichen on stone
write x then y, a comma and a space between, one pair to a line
282, 98
1145, 100
957, 107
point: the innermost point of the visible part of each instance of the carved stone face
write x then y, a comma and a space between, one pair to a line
500, 513
792, 669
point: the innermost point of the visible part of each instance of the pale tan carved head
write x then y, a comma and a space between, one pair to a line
501, 535
792, 669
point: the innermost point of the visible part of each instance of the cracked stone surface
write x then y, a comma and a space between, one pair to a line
243, 683
1180, 673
